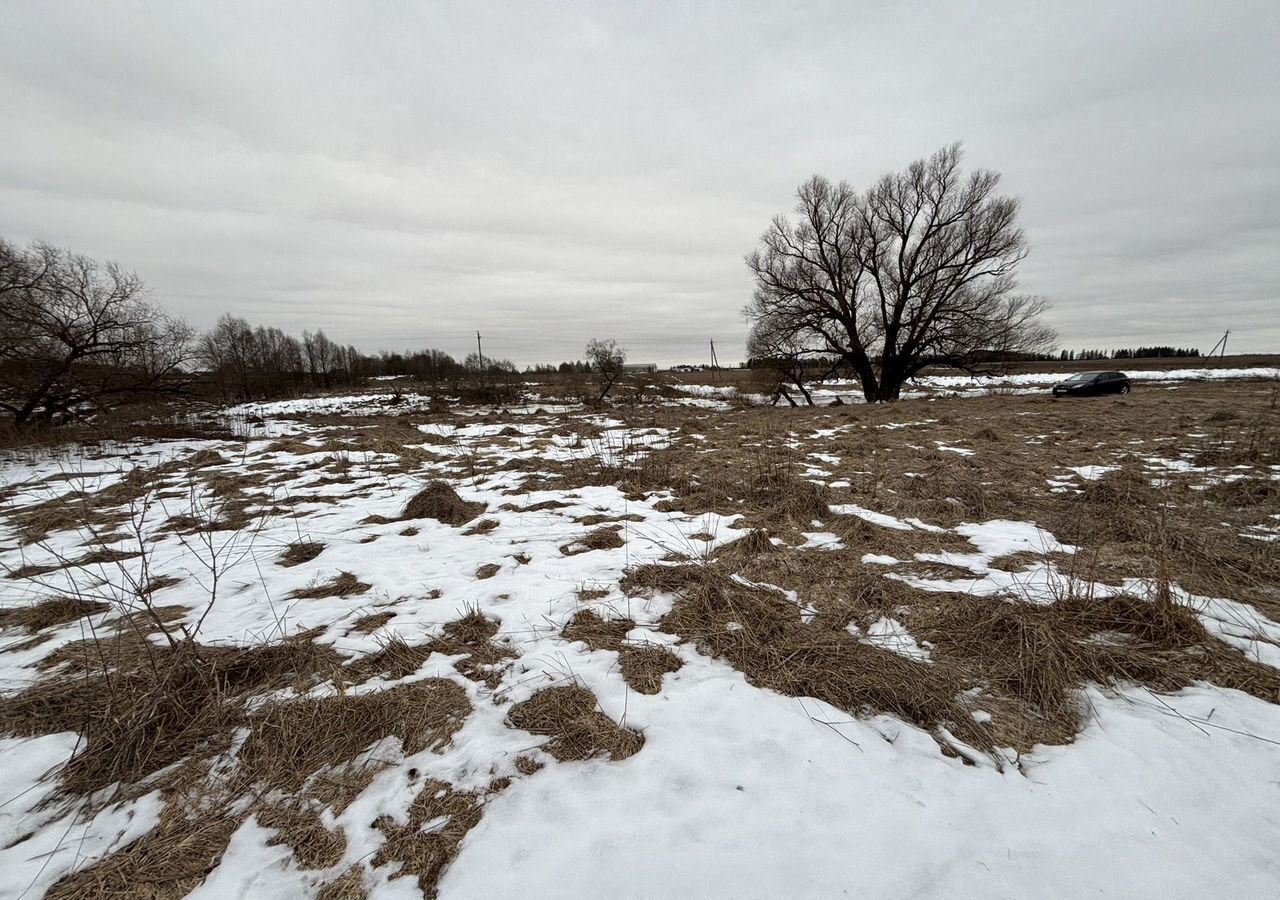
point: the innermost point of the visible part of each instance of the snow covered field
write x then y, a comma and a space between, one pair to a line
727, 770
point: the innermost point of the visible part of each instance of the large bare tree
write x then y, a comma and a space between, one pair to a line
917, 270
77, 334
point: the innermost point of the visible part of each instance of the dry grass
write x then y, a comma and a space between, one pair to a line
472, 637
441, 502
488, 570
48, 613
300, 552
313, 845
319, 747
141, 707
439, 818
762, 634
372, 622
577, 727
166, 863
606, 538
1040, 655
595, 632
347, 886
644, 665
344, 584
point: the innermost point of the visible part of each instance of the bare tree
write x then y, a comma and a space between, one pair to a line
77, 334
918, 270
606, 359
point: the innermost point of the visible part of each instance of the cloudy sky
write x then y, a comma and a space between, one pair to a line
402, 174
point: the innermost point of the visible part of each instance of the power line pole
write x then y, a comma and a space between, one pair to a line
479, 357
715, 363
1221, 343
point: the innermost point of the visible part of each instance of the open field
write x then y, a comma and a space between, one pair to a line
676, 646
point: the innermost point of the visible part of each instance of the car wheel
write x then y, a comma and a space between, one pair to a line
1124, 388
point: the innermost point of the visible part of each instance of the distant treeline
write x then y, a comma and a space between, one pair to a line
1130, 353
246, 362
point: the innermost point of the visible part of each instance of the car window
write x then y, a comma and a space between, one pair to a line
1083, 376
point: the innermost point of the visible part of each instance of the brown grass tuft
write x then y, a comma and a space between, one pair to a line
441, 502
372, 622
47, 613
300, 552
166, 863
344, 584
578, 729
606, 538
319, 745
643, 666
595, 632
439, 818
314, 846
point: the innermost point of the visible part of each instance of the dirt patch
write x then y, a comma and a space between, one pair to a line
488, 570
577, 727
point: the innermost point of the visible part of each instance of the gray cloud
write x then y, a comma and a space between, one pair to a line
402, 175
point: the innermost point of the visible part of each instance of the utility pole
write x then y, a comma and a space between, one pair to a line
715, 363
479, 357
1221, 343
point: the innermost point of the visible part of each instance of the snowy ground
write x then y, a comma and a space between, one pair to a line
936, 386
738, 791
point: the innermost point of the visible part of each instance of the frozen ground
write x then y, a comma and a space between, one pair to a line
738, 792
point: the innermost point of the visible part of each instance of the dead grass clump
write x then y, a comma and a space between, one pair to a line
607, 538
439, 818
396, 659
344, 584
472, 636
1040, 655
166, 863
300, 552
47, 613
319, 745
643, 666
790, 500
441, 502
347, 886
595, 632
488, 570
484, 526
203, 459
314, 846
761, 634
578, 729
372, 622
142, 707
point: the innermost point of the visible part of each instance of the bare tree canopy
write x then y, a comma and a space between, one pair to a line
917, 270
77, 333
606, 359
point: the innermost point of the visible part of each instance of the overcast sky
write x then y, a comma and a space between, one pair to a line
402, 174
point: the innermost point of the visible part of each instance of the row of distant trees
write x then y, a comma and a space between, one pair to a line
1131, 353
77, 335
